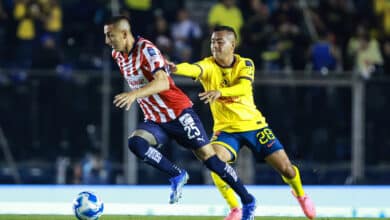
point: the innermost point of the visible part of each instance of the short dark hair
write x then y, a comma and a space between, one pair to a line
225, 28
118, 18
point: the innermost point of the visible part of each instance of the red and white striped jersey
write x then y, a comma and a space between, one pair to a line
138, 67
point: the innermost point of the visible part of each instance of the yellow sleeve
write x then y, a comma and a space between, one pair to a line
188, 70
247, 70
245, 75
238, 89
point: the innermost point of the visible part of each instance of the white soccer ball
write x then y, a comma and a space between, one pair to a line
88, 206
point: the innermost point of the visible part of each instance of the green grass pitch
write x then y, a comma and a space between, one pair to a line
111, 217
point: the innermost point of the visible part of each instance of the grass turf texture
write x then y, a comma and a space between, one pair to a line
122, 217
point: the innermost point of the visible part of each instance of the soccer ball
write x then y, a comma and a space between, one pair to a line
88, 206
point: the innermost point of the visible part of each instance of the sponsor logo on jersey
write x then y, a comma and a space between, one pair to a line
229, 100
151, 51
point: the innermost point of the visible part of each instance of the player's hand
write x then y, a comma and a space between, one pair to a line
124, 100
209, 96
172, 66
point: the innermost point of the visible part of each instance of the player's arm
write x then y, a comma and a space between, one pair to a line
244, 83
155, 61
238, 89
185, 69
159, 84
246, 76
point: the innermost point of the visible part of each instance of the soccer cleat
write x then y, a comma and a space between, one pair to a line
235, 214
177, 184
307, 205
248, 210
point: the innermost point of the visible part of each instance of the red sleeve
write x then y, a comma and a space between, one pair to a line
153, 58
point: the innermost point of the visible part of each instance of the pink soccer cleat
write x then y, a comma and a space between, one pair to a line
307, 205
235, 214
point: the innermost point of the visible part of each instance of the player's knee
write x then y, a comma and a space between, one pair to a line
205, 152
222, 153
138, 146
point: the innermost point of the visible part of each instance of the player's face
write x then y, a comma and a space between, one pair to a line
222, 44
114, 38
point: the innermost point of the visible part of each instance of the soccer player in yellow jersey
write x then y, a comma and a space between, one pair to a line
227, 80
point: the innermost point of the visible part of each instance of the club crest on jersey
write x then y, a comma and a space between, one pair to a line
151, 51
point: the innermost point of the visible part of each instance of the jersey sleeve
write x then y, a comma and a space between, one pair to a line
205, 67
247, 70
188, 70
238, 89
153, 58
198, 70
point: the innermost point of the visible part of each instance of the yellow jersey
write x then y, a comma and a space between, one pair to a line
235, 110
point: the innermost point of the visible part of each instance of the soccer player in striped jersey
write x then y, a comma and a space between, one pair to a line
168, 111
227, 79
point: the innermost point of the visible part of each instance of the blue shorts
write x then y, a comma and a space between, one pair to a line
262, 142
186, 129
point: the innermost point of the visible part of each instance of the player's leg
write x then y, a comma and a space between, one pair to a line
229, 196
192, 135
223, 170
140, 144
222, 144
290, 175
141, 141
269, 145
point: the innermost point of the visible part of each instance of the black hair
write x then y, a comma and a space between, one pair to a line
225, 28
118, 18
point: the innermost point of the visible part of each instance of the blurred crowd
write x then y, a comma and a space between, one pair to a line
279, 35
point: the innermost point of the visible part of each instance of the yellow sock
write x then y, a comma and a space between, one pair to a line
228, 193
295, 182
